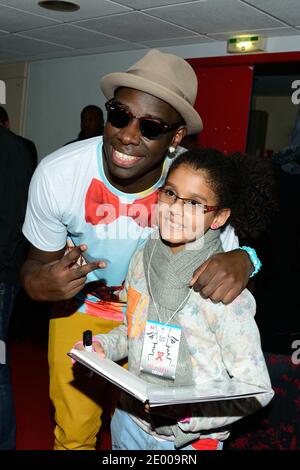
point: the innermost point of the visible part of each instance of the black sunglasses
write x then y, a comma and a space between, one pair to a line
150, 128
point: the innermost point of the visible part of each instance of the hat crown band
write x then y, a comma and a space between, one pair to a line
161, 81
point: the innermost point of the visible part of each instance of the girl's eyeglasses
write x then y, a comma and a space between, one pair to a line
169, 197
150, 128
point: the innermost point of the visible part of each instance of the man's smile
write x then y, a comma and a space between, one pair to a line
123, 160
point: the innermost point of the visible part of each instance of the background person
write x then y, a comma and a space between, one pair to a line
4, 121
91, 123
16, 169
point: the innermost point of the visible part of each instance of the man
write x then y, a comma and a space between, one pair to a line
91, 123
16, 169
101, 195
4, 121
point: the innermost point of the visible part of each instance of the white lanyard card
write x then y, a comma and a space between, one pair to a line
160, 349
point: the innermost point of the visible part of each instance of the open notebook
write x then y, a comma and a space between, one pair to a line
157, 395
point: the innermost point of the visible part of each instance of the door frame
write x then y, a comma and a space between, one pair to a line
249, 59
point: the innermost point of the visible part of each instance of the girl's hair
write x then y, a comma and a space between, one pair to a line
241, 183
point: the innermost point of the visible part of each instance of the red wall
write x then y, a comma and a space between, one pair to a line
224, 96
223, 101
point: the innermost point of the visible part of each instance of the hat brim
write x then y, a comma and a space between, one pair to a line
109, 83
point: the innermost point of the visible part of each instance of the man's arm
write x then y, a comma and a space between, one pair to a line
51, 276
223, 276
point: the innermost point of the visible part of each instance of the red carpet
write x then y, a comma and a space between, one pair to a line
34, 412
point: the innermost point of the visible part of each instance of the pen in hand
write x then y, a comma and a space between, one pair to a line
90, 344
87, 339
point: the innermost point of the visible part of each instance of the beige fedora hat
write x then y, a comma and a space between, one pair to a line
165, 76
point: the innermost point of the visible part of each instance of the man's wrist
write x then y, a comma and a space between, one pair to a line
255, 261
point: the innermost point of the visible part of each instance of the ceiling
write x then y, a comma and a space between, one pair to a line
29, 32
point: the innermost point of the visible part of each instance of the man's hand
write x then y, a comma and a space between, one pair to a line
60, 279
223, 276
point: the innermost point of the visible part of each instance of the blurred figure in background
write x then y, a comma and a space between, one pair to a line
4, 122
92, 123
16, 169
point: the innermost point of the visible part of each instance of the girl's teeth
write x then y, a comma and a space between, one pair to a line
176, 226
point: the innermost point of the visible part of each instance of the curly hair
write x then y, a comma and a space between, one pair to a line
242, 183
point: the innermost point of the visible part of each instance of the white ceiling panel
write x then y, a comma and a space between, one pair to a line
125, 46
88, 9
141, 4
49, 55
135, 26
178, 41
101, 26
215, 16
263, 32
12, 21
8, 55
286, 10
72, 36
22, 45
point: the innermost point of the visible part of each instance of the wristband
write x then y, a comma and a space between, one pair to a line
185, 420
188, 413
253, 258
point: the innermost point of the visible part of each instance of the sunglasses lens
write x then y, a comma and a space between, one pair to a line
151, 129
118, 117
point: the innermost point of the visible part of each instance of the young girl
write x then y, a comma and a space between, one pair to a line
171, 334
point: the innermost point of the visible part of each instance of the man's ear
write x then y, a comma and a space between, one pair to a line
221, 218
7, 124
180, 134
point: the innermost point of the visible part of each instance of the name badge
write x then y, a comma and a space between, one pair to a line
160, 349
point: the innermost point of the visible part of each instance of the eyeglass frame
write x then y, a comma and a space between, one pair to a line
165, 126
206, 208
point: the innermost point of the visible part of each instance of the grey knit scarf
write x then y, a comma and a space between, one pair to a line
168, 276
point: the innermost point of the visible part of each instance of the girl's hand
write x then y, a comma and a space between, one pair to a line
97, 347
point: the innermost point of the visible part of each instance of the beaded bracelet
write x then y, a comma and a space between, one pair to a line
254, 259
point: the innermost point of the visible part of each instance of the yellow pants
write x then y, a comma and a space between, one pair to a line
78, 404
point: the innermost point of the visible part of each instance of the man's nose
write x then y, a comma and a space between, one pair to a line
131, 133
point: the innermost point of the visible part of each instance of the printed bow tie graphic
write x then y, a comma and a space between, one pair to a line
104, 207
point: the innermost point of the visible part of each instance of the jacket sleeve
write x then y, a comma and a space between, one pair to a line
16, 169
239, 340
115, 343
